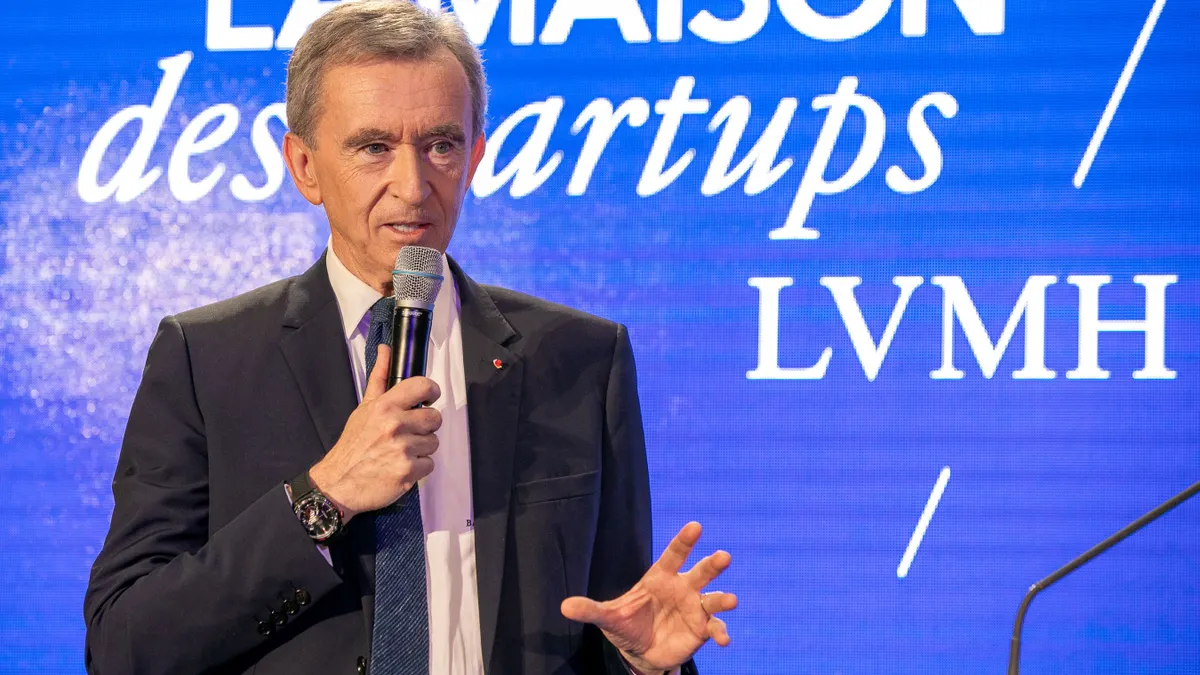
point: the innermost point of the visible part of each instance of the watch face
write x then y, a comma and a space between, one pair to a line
318, 515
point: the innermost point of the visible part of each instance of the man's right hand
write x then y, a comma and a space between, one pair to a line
386, 445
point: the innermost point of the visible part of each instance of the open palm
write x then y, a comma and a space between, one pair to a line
663, 619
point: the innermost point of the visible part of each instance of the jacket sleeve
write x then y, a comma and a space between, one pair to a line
166, 595
624, 533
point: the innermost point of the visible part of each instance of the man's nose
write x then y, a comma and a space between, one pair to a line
406, 176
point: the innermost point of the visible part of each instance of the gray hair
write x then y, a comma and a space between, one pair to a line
371, 30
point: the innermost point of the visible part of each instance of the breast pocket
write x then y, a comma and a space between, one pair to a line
556, 488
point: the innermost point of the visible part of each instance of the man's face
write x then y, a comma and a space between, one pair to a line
392, 158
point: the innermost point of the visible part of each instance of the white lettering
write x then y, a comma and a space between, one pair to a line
654, 177
1031, 305
524, 170
869, 355
565, 13
191, 144
131, 178
269, 155
669, 22
759, 161
984, 17
604, 122
768, 336
813, 183
729, 31
520, 21
1153, 326
924, 142
299, 18
833, 28
221, 35
477, 17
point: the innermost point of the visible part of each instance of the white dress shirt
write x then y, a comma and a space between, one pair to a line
455, 647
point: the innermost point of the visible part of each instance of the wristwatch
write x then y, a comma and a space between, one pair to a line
317, 513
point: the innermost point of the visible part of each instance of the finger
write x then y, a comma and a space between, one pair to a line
680, 548
583, 610
423, 421
715, 603
418, 446
711, 567
421, 467
718, 631
377, 378
414, 391
431, 390
416, 421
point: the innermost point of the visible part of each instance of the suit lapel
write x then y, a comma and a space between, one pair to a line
493, 407
314, 347
315, 350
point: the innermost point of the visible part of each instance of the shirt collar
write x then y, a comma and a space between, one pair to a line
355, 297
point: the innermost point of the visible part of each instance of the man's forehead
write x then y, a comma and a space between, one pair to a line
414, 94
438, 76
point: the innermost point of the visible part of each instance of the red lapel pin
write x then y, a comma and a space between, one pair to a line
498, 363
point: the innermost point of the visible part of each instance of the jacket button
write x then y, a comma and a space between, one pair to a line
303, 597
290, 606
279, 618
362, 666
265, 628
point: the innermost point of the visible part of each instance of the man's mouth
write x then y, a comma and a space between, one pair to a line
407, 228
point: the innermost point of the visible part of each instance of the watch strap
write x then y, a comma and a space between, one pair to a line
300, 486
302, 491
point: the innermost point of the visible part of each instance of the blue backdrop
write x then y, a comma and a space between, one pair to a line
912, 286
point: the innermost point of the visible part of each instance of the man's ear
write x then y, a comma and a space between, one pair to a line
476, 157
300, 163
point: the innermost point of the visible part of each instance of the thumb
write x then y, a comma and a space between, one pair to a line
583, 610
377, 380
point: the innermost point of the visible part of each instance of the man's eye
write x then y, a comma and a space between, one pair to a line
443, 147
375, 148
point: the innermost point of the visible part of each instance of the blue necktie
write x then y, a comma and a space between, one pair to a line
400, 637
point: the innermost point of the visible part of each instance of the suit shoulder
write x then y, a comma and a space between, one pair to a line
265, 302
530, 315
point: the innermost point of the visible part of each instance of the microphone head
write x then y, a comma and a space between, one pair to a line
417, 277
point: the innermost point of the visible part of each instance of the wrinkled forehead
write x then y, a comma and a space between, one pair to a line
404, 95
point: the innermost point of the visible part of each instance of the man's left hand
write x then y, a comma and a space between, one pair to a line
664, 619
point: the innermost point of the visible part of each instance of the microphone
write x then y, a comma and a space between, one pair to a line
416, 280
1014, 655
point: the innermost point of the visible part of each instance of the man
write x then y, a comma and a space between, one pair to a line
458, 538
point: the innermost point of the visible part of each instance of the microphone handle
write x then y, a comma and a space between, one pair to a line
410, 343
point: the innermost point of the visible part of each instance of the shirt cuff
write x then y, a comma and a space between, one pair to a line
321, 548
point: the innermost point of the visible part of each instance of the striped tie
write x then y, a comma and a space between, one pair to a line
400, 638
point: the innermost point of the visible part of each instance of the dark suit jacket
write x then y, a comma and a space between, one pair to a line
239, 396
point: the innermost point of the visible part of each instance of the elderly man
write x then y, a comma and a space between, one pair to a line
279, 510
